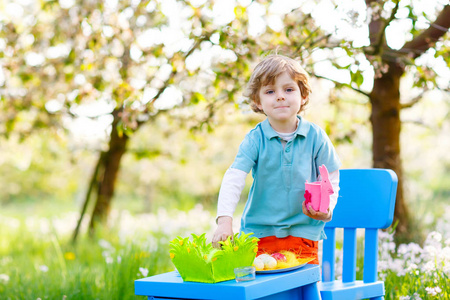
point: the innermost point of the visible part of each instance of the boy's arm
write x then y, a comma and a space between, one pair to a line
230, 191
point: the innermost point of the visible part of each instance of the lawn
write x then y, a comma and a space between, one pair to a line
38, 260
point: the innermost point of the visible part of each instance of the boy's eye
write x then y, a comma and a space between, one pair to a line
269, 92
289, 89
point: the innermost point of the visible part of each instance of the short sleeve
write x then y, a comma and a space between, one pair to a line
326, 154
247, 155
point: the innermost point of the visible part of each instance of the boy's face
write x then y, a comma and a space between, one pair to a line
281, 101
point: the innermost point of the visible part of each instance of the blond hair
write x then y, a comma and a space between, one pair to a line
267, 71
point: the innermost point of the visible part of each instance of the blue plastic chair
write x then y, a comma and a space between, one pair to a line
367, 200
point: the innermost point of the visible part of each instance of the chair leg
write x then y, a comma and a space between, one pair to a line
311, 291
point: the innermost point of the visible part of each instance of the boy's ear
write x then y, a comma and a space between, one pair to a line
259, 106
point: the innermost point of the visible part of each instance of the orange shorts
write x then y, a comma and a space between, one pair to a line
300, 246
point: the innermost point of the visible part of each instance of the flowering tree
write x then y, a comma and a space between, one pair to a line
138, 60
426, 32
141, 59
389, 66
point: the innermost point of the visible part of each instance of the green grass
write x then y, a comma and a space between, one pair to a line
415, 284
37, 259
41, 266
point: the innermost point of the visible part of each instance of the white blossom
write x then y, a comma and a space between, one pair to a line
416, 297
143, 271
109, 260
429, 267
4, 278
433, 291
43, 268
105, 244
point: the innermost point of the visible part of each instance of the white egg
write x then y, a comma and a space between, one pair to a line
258, 264
270, 263
264, 257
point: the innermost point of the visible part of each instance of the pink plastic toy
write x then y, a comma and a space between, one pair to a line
318, 193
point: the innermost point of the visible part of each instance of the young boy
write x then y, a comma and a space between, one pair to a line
282, 152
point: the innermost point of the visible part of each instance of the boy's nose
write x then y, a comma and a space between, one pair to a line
280, 98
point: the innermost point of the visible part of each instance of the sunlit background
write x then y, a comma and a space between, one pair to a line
62, 80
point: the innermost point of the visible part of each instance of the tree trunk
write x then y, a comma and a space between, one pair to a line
93, 183
386, 125
385, 100
109, 171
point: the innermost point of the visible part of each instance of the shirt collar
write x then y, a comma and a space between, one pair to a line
302, 128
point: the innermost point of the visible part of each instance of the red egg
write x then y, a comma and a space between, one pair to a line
279, 256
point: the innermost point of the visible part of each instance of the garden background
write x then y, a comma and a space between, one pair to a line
118, 120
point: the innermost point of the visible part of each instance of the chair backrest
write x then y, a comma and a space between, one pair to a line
366, 200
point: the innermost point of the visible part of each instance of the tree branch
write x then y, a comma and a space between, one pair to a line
377, 29
75, 115
416, 122
428, 38
174, 72
170, 78
306, 39
414, 100
339, 84
381, 39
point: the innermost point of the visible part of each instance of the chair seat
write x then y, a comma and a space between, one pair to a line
335, 290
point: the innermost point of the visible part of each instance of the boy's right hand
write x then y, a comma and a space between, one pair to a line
223, 231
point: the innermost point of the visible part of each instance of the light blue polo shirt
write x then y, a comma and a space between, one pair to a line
274, 205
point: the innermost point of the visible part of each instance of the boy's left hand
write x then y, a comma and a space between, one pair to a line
316, 215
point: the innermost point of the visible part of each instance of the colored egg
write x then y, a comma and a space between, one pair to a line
279, 256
